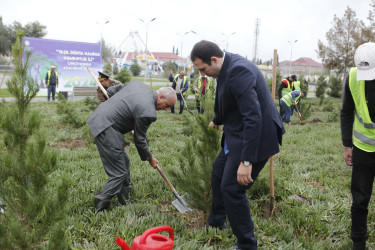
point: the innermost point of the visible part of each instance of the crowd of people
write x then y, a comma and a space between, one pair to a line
252, 131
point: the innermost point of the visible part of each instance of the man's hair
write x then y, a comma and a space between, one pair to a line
168, 92
204, 50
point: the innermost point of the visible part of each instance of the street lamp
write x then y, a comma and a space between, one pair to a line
227, 38
181, 35
291, 50
147, 25
101, 29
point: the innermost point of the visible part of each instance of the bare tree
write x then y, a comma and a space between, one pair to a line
343, 38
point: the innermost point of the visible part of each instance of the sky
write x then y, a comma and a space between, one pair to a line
229, 23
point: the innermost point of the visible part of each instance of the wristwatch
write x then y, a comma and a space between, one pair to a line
246, 163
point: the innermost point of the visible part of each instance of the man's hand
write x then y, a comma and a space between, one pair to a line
198, 91
153, 162
213, 125
244, 174
348, 156
294, 103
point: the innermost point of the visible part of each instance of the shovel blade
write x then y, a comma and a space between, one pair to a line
181, 204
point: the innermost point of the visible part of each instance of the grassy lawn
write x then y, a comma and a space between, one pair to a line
4, 93
310, 166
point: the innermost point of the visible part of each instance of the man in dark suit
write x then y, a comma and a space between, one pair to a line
252, 133
131, 106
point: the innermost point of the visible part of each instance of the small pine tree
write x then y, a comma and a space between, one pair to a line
305, 110
135, 68
123, 76
321, 89
335, 86
107, 68
199, 154
115, 70
33, 209
68, 114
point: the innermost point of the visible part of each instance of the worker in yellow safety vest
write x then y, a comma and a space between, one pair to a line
201, 86
358, 137
286, 87
52, 81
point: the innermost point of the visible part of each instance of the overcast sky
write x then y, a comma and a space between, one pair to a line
280, 21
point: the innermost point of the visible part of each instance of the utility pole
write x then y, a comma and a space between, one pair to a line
256, 39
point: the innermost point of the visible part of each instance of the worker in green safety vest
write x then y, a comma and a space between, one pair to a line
358, 137
201, 86
288, 100
52, 81
286, 87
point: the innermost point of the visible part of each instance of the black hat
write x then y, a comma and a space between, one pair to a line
304, 92
294, 77
102, 76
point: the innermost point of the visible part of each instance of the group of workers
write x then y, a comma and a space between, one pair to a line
252, 132
290, 94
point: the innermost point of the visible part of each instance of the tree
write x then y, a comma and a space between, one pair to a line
115, 69
197, 157
168, 66
321, 89
135, 68
107, 52
107, 68
5, 43
32, 29
335, 86
33, 209
368, 34
343, 38
123, 76
177, 51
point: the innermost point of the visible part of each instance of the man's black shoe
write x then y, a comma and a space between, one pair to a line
236, 247
124, 195
102, 202
222, 227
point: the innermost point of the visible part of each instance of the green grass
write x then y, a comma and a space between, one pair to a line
4, 93
310, 164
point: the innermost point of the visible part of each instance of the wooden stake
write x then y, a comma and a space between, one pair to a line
99, 84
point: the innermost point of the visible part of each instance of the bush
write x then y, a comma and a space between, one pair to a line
123, 76
321, 89
305, 110
334, 116
328, 107
335, 86
107, 68
67, 112
135, 68
91, 103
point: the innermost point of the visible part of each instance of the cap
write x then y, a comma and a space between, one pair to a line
304, 92
102, 76
294, 77
364, 60
52, 67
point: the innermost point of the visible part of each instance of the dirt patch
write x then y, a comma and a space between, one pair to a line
73, 143
315, 184
315, 120
194, 220
269, 210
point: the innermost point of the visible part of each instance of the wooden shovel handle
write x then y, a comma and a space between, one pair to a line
165, 178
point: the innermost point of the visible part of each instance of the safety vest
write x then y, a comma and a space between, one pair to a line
288, 89
199, 86
288, 99
49, 77
364, 128
183, 82
297, 85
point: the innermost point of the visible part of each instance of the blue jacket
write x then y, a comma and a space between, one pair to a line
252, 126
182, 88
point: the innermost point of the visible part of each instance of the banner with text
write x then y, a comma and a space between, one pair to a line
71, 60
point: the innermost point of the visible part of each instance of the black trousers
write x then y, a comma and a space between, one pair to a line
179, 98
229, 200
361, 188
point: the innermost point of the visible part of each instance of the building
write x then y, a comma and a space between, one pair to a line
303, 65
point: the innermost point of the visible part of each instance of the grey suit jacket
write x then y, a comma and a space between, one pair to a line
131, 106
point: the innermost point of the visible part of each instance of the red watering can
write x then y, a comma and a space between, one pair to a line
150, 240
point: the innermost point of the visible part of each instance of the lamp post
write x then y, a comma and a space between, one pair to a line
147, 25
291, 50
227, 38
101, 30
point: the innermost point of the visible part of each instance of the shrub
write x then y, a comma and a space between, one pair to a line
135, 68
68, 113
123, 76
305, 110
321, 89
335, 86
328, 107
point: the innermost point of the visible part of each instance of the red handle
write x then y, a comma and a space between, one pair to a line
122, 244
156, 230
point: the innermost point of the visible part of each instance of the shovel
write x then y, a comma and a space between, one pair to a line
186, 104
180, 202
299, 114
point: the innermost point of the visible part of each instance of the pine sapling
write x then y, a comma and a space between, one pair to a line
33, 208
